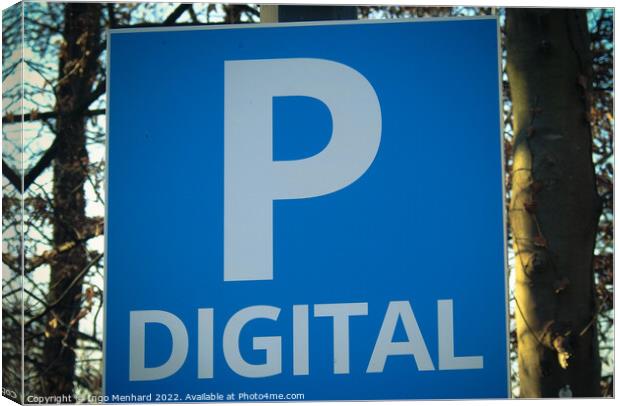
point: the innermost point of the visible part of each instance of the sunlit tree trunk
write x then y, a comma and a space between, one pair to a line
555, 207
78, 67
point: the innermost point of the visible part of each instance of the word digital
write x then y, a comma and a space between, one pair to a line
309, 209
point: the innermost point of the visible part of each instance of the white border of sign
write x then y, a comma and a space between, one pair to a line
110, 32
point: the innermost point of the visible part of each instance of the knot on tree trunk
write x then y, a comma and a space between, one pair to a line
563, 347
558, 337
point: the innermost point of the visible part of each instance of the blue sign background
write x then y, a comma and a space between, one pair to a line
424, 223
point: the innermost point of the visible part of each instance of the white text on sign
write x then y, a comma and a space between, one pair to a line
341, 314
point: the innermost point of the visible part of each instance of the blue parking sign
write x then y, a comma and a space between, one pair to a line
308, 211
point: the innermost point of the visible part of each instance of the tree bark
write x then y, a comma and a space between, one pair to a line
554, 206
78, 66
295, 13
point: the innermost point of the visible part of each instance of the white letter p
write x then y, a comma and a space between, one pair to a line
253, 180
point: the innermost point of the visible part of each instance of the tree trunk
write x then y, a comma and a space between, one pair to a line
295, 13
554, 207
232, 14
78, 68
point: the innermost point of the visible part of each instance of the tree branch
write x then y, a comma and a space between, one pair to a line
92, 228
111, 15
99, 90
174, 16
11, 176
59, 299
244, 8
184, 24
40, 166
193, 15
50, 154
34, 116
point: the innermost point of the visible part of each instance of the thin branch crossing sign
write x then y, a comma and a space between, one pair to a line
307, 211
